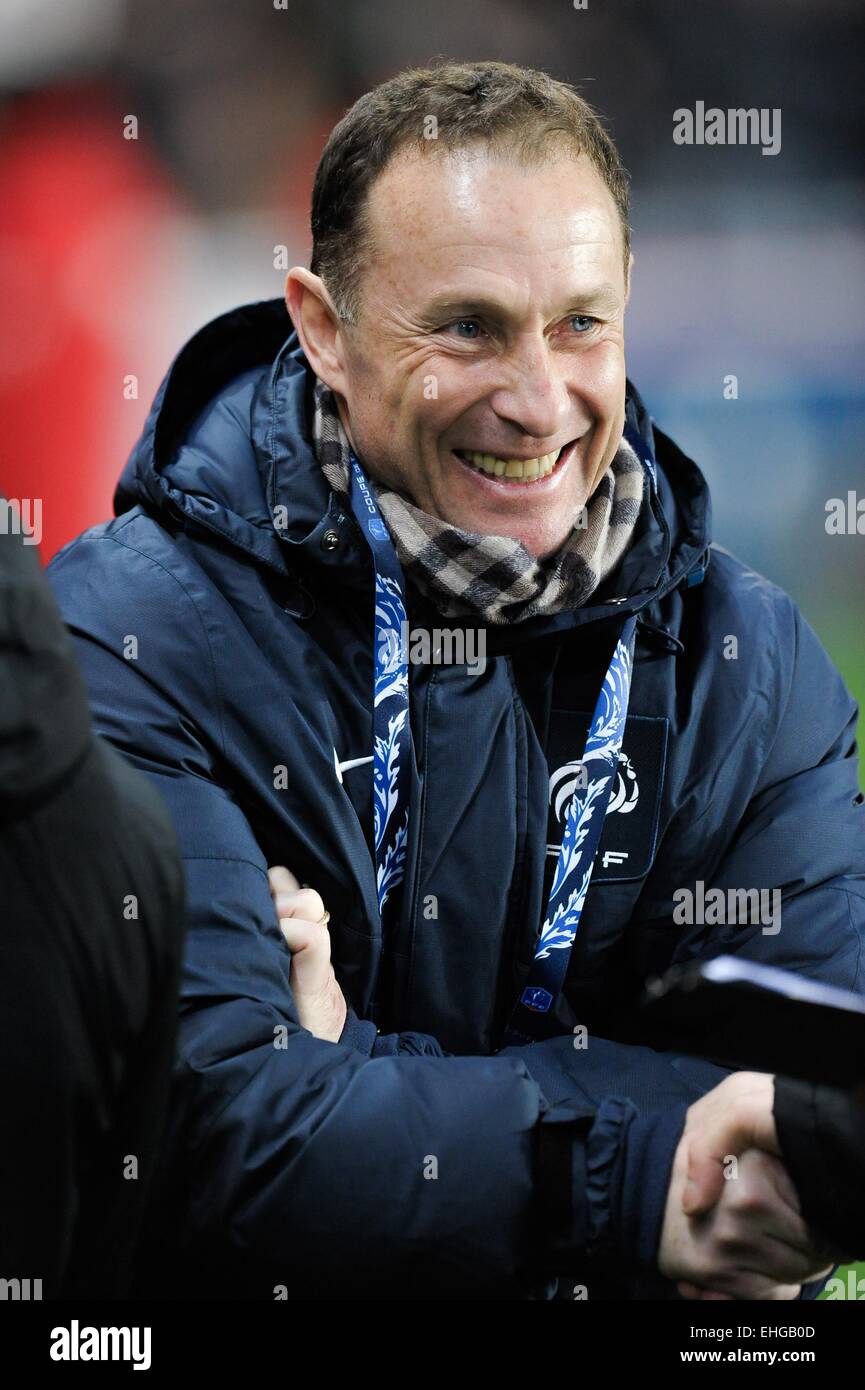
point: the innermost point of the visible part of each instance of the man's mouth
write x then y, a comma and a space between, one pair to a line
513, 470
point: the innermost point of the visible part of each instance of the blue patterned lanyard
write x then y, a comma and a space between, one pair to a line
584, 822
391, 766
391, 773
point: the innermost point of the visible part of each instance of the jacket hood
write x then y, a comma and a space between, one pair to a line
226, 446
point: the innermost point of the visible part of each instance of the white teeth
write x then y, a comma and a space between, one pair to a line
520, 470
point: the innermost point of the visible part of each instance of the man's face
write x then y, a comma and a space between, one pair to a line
485, 378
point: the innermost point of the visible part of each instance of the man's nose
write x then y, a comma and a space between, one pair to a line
535, 396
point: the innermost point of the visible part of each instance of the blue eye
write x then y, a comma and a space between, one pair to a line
585, 319
467, 323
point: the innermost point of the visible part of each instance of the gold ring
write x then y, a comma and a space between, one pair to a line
323, 921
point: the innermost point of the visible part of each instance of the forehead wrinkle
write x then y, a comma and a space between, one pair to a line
569, 231
404, 202
493, 258
449, 251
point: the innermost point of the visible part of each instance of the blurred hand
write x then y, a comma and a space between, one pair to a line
300, 911
753, 1244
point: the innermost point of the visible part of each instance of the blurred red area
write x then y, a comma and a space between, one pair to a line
79, 250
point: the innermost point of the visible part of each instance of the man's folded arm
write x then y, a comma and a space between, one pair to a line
339, 1171
407, 1171
320, 1168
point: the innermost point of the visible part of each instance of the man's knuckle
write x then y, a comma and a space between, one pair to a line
748, 1199
309, 905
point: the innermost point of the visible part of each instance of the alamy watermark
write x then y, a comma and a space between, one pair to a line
77, 1343
439, 646
845, 517
22, 517
20, 1290
735, 906
736, 126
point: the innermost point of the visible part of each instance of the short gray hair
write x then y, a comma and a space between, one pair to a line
512, 109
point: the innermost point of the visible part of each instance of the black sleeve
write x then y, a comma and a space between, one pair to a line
821, 1133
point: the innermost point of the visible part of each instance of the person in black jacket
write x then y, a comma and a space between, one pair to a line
90, 948
821, 1136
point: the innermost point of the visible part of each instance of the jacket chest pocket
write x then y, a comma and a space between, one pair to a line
629, 837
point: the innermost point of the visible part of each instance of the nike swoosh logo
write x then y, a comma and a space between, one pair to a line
340, 768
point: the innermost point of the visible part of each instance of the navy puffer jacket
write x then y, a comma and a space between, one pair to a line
232, 662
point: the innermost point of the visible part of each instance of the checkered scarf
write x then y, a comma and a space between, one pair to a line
493, 578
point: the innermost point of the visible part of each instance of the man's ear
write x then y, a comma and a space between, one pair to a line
318, 325
628, 277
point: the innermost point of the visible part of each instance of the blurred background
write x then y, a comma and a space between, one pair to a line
114, 250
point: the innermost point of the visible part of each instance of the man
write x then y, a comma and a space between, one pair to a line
448, 440
90, 951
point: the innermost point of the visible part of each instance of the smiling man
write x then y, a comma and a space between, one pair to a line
441, 1086
484, 374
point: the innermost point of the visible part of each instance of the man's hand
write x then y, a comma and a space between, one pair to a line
734, 1116
320, 1003
753, 1244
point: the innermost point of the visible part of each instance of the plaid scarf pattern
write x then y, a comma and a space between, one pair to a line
492, 578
